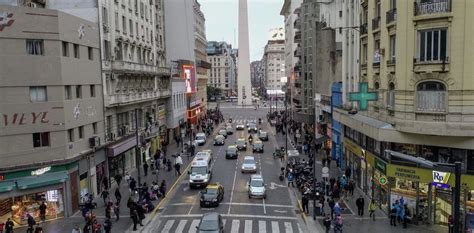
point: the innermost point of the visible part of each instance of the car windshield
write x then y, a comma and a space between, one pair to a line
232, 150
222, 131
210, 191
256, 183
200, 137
219, 137
249, 161
209, 225
229, 128
257, 144
240, 142
198, 170
252, 125
263, 134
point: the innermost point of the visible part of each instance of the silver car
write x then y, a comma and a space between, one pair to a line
249, 165
257, 187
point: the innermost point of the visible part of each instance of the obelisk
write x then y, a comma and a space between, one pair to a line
243, 73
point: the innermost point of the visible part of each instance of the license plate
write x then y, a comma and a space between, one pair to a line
207, 203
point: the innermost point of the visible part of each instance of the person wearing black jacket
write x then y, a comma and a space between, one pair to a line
327, 223
304, 203
9, 226
107, 225
118, 195
360, 203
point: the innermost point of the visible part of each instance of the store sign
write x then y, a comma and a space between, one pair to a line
441, 177
409, 173
381, 166
25, 118
40, 171
189, 76
383, 180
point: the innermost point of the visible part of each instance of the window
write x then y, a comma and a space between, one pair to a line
131, 26
67, 92
92, 90
377, 8
81, 132
78, 91
105, 16
432, 45
124, 25
117, 21
90, 53
34, 47
391, 96
70, 135
38, 94
392, 48
41, 139
377, 52
76, 50
107, 50
431, 96
65, 49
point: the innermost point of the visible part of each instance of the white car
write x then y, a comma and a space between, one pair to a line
256, 187
200, 139
249, 165
240, 127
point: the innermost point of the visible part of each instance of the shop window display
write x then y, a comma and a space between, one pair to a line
30, 204
407, 190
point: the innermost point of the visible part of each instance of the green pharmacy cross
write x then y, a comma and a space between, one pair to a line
363, 96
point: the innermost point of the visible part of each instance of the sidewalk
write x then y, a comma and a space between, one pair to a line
66, 224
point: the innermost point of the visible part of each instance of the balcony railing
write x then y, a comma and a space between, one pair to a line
432, 7
132, 67
391, 15
431, 101
363, 29
297, 52
125, 98
375, 23
297, 37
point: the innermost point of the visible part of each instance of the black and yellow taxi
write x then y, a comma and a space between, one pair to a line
212, 195
241, 144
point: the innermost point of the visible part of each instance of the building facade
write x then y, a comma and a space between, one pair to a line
274, 57
52, 128
200, 46
415, 57
176, 119
219, 55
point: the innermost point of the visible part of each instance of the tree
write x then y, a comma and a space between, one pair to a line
213, 91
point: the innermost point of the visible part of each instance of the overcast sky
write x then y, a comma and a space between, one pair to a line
222, 22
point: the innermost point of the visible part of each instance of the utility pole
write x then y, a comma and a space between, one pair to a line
457, 198
137, 149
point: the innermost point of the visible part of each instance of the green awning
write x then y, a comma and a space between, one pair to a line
6, 186
42, 180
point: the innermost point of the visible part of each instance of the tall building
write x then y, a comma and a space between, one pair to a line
200, 46
52, 127
274, 57
136, 81
351, 48
417, 59
254, 75
219, 55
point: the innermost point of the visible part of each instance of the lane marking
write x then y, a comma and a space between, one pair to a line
232, 191
224, 221
235, 226
264, 208
168, 226
299, 228
262, 226
275, 228
181, 225
194, 224
230, 216
236, 203
288, 228
248, 226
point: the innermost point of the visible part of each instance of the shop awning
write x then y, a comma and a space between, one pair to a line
42, 180
6, 186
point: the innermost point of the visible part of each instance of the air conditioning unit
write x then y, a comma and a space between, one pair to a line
94, 142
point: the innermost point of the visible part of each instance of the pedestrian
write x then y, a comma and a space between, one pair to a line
360, 202
141, 214
118, 195
393, 215
327, 223
179, 161
132, 185
402, 216
107, 225
76, 229
42, 210
145, 168
406, 216
163, 188
304, 203
127, 178
118, 179
350, 188
105, 182
451, 224
177, 168
372, 208
331, 204
108, 210
88, 227
321, 204
337, 209
117, 210
338, 224
134, 217
2, 227
105, 196
31, 222
291, 178
9, 226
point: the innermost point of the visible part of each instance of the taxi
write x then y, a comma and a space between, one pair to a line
212, 195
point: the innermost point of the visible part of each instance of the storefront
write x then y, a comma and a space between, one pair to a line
361, 163
22, 192
122, 156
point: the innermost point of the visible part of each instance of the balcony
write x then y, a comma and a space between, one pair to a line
431, 101
363, 29
391, 16
297, 23
375, 23
297, 52
297, 37
137, 68
129, 98
431, 7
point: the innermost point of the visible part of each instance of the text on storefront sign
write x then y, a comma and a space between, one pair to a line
40, 171
24, 118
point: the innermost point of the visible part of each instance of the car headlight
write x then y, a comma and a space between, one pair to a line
215, 199
205, 180
191, 181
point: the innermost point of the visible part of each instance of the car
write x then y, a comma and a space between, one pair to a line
241, 144
231, 152
219, 140
211, 223
240, 127
223, 132
256, 187
229, 130
257, 146
200, 139
249, 165
252, 127
212, 195
263, 136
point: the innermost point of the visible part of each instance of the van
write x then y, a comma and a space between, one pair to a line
201, 170
200, 139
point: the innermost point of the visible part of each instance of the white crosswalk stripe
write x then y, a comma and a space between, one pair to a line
235, 225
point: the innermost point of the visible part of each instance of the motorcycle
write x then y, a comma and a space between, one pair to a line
250, 140
279, 153
259, 120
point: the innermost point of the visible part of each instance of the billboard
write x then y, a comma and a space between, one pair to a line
189, 75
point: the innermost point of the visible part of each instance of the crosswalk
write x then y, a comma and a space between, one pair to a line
231, 225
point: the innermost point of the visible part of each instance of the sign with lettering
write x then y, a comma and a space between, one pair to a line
441, 177
24, 118
40, 171
381, 166
409, 173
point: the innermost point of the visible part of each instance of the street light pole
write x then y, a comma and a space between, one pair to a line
137, 149
457, 198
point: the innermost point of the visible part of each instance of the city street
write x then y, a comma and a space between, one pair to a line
277, 213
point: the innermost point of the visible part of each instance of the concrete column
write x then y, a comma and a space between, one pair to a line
244, 90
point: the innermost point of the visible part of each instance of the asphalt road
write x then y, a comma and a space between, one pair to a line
277, 213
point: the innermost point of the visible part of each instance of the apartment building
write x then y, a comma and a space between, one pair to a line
136, 80
417, 58
52, 129
274, 57
219, 55
200, 46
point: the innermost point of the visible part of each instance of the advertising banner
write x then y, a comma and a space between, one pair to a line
189, 75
